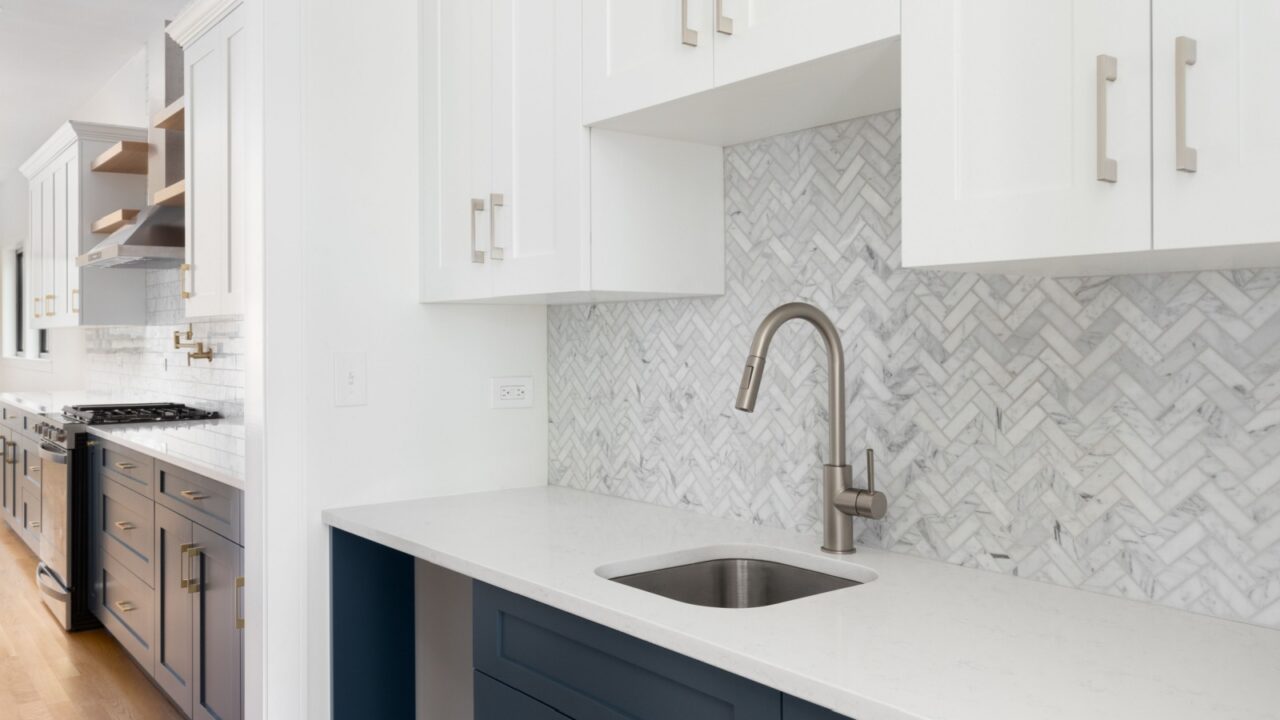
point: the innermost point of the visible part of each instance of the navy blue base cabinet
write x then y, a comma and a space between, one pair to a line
533, 661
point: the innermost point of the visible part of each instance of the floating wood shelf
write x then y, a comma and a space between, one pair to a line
173, 196
173, 117
126, 156
112, 222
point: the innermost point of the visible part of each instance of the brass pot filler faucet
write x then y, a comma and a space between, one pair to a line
840, 501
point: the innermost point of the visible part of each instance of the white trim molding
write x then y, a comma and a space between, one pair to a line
196, 19
71, 131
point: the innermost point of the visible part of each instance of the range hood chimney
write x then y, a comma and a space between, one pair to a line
156, 238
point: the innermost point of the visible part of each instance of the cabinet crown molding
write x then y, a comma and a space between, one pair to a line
74, 131
196, 19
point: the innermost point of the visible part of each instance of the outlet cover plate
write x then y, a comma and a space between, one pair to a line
511, 392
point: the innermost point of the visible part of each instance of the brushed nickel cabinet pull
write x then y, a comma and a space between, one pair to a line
687, 36
239, 603
496, 200
125, 606
183, 581
124, 525
193, 495
477, 205
1184, 55
1106, 74
724, 23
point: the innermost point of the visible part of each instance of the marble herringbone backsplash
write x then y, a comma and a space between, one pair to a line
1117, 434
142, 360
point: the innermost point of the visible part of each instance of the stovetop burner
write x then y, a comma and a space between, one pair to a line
137, 413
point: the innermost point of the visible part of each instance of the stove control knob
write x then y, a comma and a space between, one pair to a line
60, 436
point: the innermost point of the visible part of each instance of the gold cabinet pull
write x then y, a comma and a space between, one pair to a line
182, 280
496, 200
193, 553
11, 457
36, 307
125, 525
75, 301
193, 495
688, 36
182, 564
49, 300
32, 469
239, 603
126, 466
125, 606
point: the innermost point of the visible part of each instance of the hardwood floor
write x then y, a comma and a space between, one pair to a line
48, 674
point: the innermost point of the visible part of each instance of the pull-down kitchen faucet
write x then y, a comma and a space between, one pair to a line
840, 501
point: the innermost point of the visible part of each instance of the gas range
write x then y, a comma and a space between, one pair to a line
62, 428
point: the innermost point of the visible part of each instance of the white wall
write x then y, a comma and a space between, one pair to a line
341, 275
121, 101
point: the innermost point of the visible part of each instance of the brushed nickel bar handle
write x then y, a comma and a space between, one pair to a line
124, 525
239, 603
1106, 74
496, 200
687, 36
193, 495
124, 606
1184, 55
477, 205
724, 23
183, 581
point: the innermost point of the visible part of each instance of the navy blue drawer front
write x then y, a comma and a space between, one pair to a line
589, 672
495, 701
796, 709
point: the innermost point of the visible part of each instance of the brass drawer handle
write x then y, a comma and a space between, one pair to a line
193, 495
126, 466
75, 297
193, 553
125, 525
182, 564
36, 307
182, 281
47, 300
125, 606
239, 603
35, 524
33, 469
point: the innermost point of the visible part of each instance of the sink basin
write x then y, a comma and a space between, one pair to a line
734, 582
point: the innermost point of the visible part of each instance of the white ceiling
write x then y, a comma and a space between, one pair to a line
54, 54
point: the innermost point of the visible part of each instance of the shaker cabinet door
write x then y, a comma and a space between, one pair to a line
218, 635
1026, 130
1216, 108
174, 634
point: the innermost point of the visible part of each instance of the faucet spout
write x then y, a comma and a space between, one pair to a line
839, 500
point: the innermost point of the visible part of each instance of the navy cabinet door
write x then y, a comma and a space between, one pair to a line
590, 672
495, 701
796, 709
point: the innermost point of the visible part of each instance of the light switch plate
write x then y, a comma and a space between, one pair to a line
349, 373
511, 392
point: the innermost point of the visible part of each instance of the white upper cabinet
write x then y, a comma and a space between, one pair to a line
1226, 64
215, 64
640, 54
65, 198
754, 37
514, 207
1008, 107
1090, 137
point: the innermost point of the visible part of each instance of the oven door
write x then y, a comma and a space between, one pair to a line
54, 571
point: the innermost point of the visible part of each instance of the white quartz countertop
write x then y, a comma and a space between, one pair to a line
924, 640
212, 448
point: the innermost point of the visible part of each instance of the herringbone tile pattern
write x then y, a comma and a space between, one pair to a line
1119, 434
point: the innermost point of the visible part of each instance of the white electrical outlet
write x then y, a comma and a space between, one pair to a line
349, 379
511, 392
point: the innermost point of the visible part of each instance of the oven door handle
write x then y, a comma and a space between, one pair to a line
49, 584
53, 454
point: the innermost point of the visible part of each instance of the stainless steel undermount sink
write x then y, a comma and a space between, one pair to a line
734, 582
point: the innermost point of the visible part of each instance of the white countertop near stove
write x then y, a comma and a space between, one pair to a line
212, 448
925, 640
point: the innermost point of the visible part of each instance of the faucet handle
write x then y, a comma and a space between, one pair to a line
869, 503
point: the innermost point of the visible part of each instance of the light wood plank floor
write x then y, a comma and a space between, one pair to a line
46, 674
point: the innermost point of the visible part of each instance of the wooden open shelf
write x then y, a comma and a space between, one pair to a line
173, 196
112, 222
126, 156
173, 117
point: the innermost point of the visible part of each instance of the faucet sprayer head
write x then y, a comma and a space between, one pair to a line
750, 387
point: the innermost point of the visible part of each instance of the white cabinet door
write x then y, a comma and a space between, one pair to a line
216, 83
1003, 123
34, 285
48, 230
206, 155
538, 202
69, 305
1232, 112
457, 152
758, 36
640, 53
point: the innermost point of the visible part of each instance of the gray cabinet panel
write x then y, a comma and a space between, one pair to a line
30, 517
8, 496
175, 656
128, 605
206, 502
131, 469
219, 644
127, 523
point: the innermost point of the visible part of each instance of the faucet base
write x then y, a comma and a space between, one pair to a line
837, 527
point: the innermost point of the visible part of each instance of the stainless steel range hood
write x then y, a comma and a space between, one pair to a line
155, 240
